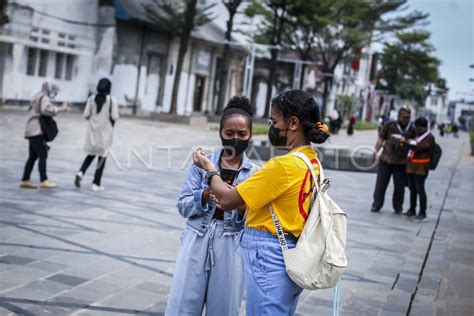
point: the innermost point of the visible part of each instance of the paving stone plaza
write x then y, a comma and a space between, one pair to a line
71, 251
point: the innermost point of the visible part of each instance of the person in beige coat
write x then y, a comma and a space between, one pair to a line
101, 111
40, 106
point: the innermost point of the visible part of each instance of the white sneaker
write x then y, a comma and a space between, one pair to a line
97, 188
46, 184
27, 184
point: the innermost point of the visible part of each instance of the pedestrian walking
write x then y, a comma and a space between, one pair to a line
101, 112
338, 121
40, 106
350, 127
209, 269
455, 130
286, 183
393, 160
417, 167
333, 122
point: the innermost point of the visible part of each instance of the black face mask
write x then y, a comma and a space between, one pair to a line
235, 145
275, 138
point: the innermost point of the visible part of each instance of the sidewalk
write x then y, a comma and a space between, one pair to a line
74, 252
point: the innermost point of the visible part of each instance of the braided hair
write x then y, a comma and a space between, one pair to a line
302, 105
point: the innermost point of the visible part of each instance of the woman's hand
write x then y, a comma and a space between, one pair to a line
215, 200
201, 161
374, 156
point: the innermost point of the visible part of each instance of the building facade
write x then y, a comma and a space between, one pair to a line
75, 43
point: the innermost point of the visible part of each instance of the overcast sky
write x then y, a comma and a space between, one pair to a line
452, 28
452, 34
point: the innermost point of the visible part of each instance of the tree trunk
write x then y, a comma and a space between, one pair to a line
276, 40
270, 81
327, 86
223, 76
254, 93
183, 46
303, 69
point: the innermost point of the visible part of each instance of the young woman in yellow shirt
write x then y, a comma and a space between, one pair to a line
286, 183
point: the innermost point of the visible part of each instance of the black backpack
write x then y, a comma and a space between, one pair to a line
48, 126
435, 156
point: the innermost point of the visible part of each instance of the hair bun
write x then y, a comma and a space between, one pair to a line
240, 102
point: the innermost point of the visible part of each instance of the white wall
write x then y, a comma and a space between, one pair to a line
19, 86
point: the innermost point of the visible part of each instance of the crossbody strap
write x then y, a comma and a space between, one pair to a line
276, 221
39, 105
279, 229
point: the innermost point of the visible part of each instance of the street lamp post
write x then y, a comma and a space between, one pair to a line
472, 67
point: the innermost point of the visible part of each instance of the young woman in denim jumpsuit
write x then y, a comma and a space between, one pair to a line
286, 183
209, 269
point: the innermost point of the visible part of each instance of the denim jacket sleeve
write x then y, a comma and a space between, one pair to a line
237, 218
190, 199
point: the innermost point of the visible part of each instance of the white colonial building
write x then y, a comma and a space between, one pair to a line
75, 43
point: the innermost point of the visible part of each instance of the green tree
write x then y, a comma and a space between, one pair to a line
408, 66
231, 6
179, 18
269, 31
354, 24
305, 19
346, 105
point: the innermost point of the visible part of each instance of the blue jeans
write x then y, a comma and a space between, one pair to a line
269, 289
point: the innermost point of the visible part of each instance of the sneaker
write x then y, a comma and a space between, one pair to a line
421, 218
77, 180
374, 210
97, 188
409, 213
27, 184
46, 184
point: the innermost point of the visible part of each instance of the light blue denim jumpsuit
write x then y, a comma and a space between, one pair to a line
209, 269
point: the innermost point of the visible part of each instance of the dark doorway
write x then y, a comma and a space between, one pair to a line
198, 93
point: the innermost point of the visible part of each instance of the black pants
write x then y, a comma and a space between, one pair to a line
98, 171
416, 183
384, 171
37, 149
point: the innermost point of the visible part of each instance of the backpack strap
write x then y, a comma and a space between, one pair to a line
39, 105
323, 183
276, 221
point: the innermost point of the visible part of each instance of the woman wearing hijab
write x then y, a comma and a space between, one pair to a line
101, 111
40, 106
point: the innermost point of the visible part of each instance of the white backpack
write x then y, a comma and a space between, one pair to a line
319, 258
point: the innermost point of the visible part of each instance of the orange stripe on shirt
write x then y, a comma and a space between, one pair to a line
420, 160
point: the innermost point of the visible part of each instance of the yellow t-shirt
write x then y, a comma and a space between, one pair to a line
286, 182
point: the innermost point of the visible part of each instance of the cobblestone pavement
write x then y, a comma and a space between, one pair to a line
75, 252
